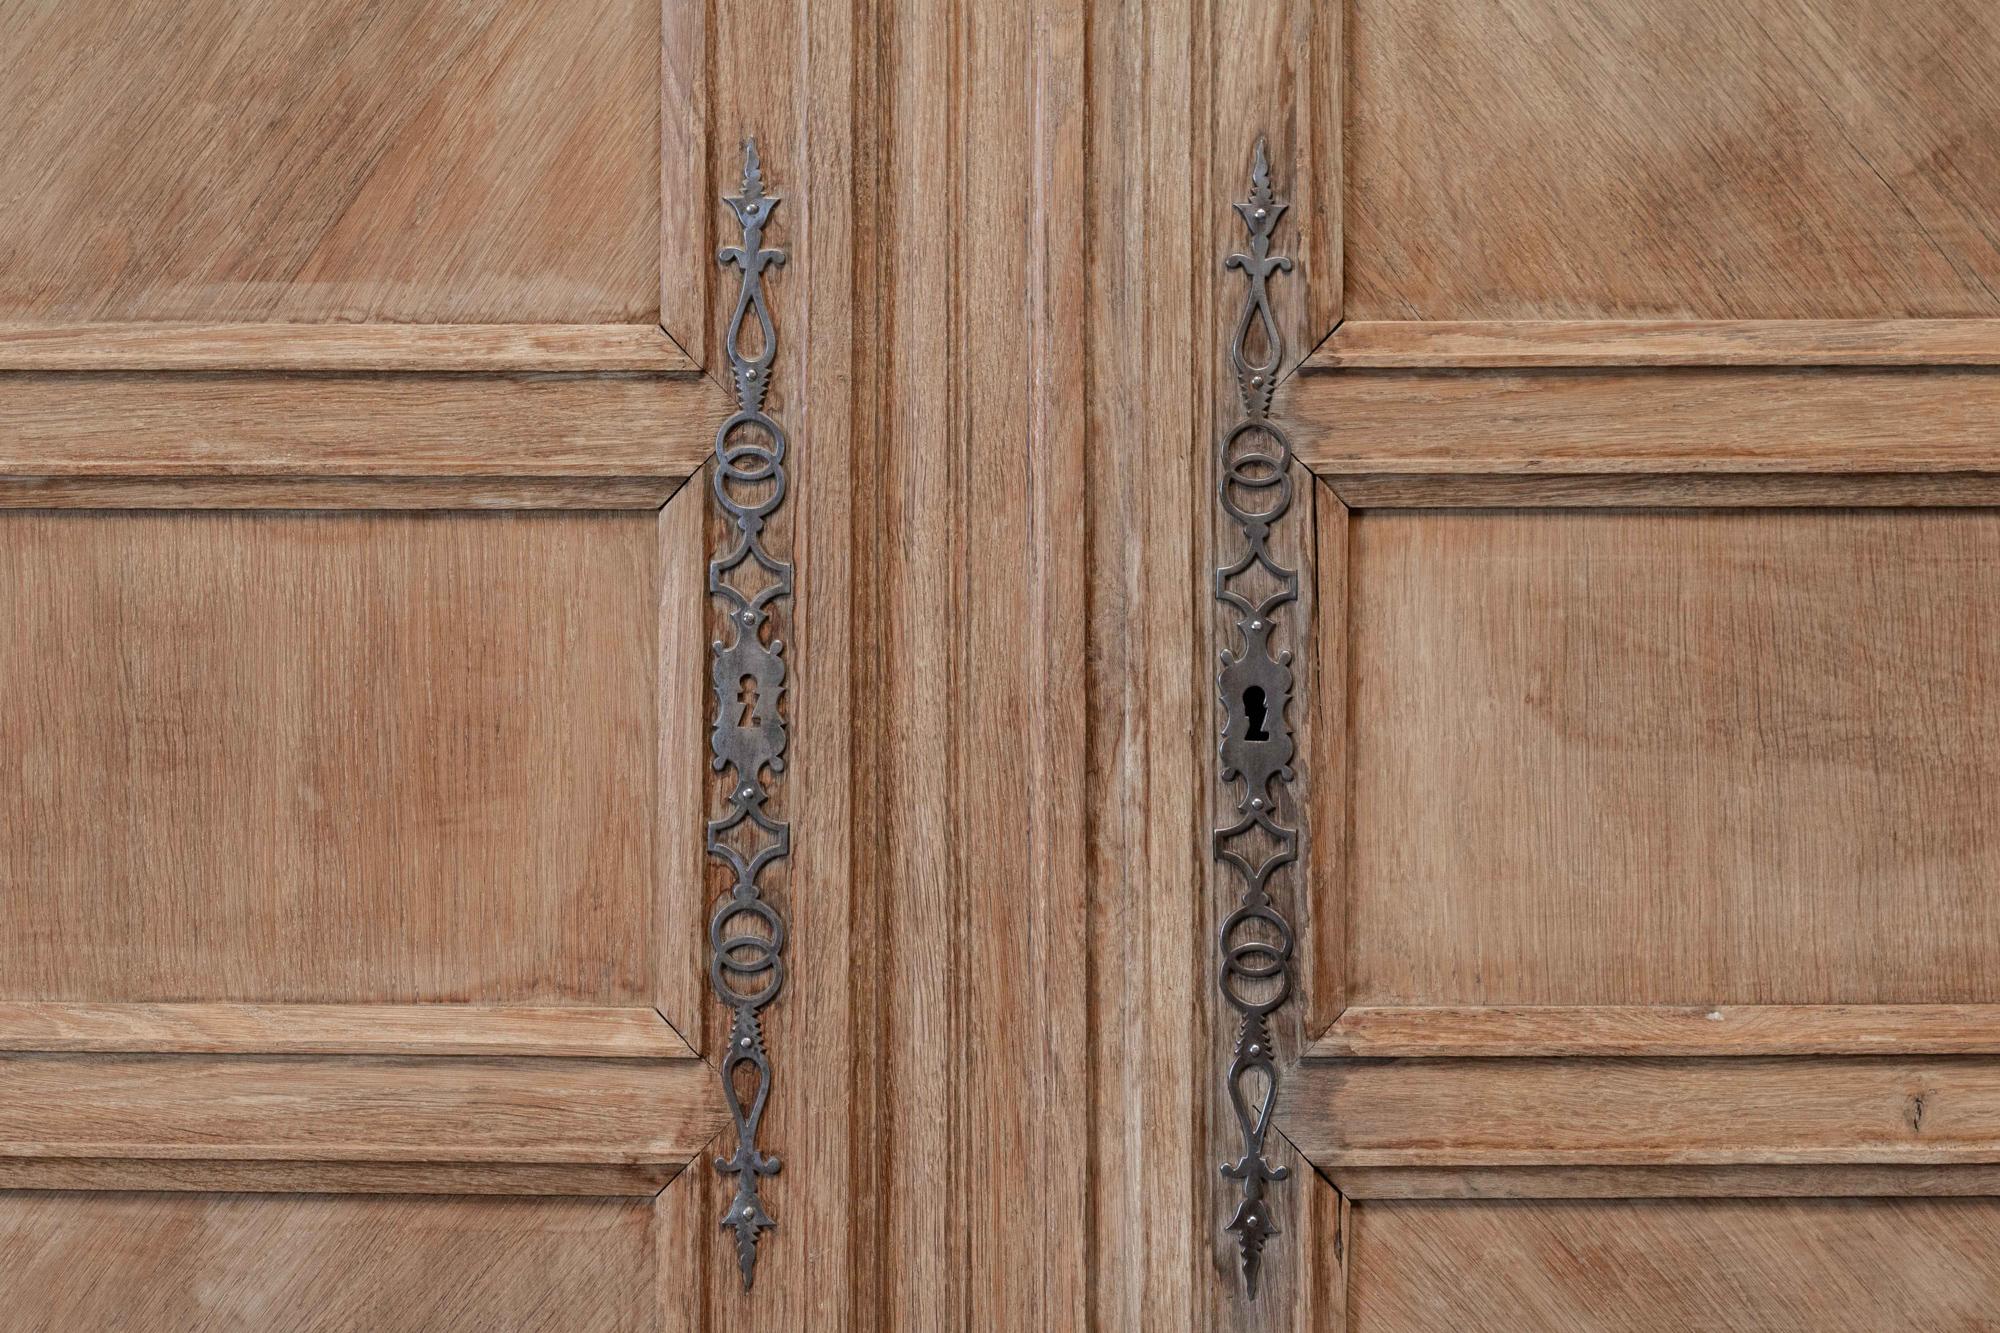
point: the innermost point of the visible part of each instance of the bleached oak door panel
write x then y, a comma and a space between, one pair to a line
1644, 925
353, 618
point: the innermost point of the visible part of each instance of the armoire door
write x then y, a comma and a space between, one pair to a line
1639, 387
378, 641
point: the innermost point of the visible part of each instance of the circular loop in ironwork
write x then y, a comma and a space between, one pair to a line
1256, 470
742, 463
746, 955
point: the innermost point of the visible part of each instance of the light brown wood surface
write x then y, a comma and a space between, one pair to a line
482, 161
224, 425
1497, 1031
1612, 1112
1560, 425
492, 348
1503, 344
358, 758
1706, 159
1672, 758
340, 1029
1748, 1266
463, 1114
247, 1263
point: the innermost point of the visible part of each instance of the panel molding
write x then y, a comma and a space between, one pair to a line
629, 1123
340, 1029
1517, 344
294, 441
1650, 436
491, 348
1512, 1032
1569, 1112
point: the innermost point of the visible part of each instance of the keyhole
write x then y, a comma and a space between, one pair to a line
746, 694
1255, 707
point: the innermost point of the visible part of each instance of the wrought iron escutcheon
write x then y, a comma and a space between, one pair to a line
1254, 484
746, 935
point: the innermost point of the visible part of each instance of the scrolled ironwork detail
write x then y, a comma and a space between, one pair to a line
1254, 485
746, 934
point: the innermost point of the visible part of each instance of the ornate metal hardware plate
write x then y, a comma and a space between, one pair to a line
746, 935
1254, 484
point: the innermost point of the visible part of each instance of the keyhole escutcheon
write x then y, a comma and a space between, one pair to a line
1255, 708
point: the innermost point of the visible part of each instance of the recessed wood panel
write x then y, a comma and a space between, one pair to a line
477, 161
1691, 758
257, 1262
1768, 1265
314, 757
1569, 159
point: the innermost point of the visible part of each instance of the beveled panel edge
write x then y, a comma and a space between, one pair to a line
1853, 1180
267, 347
350, 440
1528, 1031
1637, 343
1831, 1111
1674, 437
341, 493
263, 1108
592, 1032
124, 1174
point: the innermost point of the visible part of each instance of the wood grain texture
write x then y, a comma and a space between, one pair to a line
209, 1176
1147, 493
1490, 1032
687, 190
1673, 758
1511, 344
1273, 72
653, 1114
1741, 1181
1567, 424
1560, 159
383, 757
1671, 490
201, 425
681, 671
1592, 1112
482, 161
801, 75
339, 493
1177, 96
982, 614
1773, 1266
247, 1263
339, 1029
492, 348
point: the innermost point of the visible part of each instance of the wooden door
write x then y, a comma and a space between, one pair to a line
1645, 920
1620, 644
360, 369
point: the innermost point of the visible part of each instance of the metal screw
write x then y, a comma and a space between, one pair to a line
746, 793
1260, 213
744, 1042
1255, 1049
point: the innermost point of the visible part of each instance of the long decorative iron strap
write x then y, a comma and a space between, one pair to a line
746, 935
1253, 465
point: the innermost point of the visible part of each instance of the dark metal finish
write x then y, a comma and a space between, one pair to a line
747, 966
1253, 464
